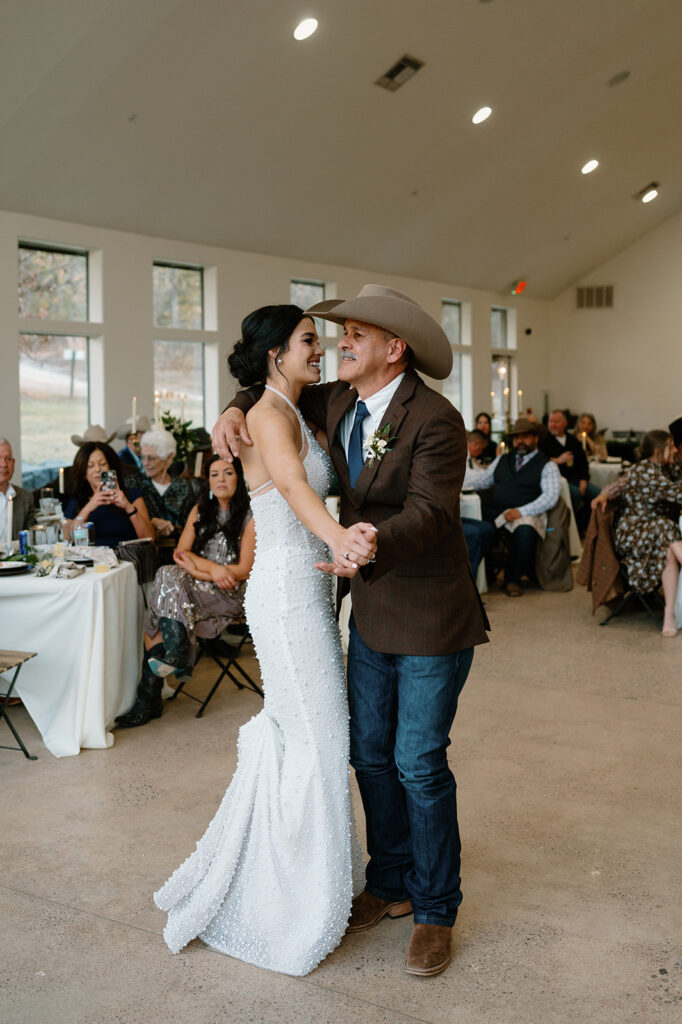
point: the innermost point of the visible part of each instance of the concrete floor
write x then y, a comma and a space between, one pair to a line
566, 750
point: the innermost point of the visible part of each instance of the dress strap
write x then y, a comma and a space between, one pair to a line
287, 400
300, 420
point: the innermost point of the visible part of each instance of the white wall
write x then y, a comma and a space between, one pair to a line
625, 364
243, 282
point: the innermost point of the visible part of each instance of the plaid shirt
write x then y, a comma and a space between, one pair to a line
550, 484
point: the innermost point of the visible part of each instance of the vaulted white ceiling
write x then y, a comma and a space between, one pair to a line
204, 120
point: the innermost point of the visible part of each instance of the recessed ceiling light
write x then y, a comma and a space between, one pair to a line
305, 28
647, 193
482, 115
590, 166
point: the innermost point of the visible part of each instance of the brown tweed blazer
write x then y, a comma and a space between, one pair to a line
419, 596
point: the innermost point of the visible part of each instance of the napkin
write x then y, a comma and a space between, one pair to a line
68, 570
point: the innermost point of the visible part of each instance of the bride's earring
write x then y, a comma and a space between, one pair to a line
278, 360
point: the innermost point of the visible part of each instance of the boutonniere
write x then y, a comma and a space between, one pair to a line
376, 445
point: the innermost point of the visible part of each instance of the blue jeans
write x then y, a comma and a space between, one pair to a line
478, 536
401, 711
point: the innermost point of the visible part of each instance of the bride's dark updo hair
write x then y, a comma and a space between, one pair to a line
266, 328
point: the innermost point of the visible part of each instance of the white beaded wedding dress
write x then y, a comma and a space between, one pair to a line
271, 880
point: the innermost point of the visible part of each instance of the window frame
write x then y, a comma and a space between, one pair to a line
463, 351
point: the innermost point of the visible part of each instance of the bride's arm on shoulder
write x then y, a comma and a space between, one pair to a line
275, 439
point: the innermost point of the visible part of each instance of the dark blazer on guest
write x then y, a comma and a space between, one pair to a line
552, 449
23, 511
419, 596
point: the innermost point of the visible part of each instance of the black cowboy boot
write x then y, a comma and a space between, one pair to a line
175, 656
148, 704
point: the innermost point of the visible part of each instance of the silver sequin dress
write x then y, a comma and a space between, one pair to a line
201, 606
271, 880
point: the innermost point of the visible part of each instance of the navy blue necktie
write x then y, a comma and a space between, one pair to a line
355, 460
519, 461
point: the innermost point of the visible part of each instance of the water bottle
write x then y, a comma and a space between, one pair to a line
80, 533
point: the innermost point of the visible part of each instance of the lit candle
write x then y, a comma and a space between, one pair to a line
584, 437
182, 408
133, 418
503, 447
519, 395
198, 460
61, 480
10, 520
156, 408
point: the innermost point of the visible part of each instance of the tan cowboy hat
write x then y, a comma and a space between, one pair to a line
93, 433
394, 311
141, 424
524, 426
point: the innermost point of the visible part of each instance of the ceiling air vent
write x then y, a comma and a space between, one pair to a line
400, 73
594, 296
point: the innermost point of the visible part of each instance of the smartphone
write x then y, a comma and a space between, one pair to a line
108, 480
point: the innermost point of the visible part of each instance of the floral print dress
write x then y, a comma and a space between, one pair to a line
648, 523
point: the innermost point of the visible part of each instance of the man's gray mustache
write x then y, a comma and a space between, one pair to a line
349, 355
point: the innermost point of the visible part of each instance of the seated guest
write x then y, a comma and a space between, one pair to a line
168, 499
485, 425
675, 469
478, 537
92, 433
519, 488
203, 592
477, 443
595, 443
130, 453
118, 513
23, 508
647, 532
567, 452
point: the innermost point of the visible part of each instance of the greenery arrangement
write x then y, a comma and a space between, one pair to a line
188, 439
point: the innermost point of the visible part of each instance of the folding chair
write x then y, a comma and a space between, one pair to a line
224, 650
8, 661
648, 601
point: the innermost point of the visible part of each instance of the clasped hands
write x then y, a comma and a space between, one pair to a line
220, 574
355, 546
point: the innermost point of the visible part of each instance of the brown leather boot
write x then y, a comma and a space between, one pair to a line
368, 910
429, 949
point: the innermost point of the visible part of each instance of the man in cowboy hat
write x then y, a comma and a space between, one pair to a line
416, 611
130, 454
520, 487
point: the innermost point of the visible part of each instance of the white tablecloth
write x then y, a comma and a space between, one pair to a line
603, 473
86, 634
470, 507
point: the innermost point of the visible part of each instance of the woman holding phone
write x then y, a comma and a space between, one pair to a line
100, 497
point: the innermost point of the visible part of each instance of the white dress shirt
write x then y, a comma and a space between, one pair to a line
377, 405
4, 495
550, 484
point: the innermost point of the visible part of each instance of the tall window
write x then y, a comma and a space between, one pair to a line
457, 387
53, 358
179, 379
178, 296
503, 396
305, 293
498, 327
179, 361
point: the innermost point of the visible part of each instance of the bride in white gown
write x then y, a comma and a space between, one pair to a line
271, 880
